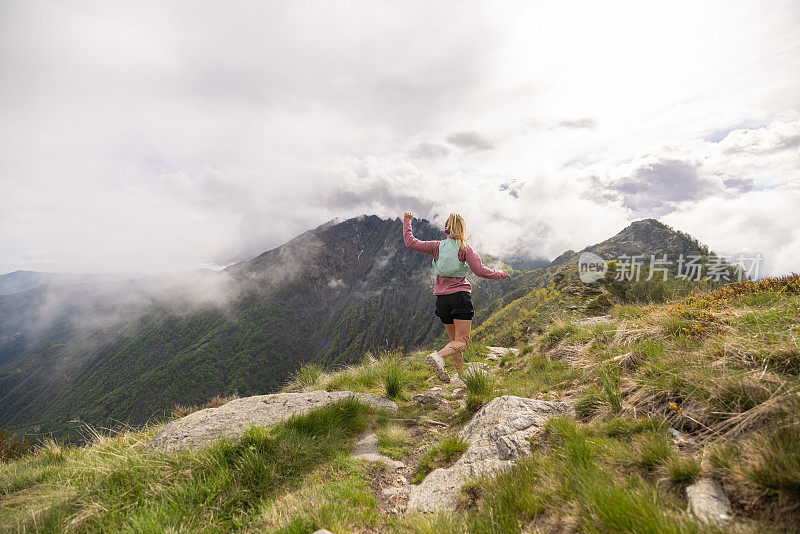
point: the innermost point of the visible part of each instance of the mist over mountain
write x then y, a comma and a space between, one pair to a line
328, 296
24, 280
58, 313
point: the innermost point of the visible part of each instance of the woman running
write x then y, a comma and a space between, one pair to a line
453, 259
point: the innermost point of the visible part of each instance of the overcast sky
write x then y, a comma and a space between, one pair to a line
142, 137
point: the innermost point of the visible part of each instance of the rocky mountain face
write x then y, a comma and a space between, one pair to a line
327, 296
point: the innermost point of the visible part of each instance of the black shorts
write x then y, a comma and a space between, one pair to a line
456, 305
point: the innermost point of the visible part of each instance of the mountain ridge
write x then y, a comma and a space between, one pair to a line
328, 296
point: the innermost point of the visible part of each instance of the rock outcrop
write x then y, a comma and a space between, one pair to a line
497, 435
201, 428
707, 501
495, 353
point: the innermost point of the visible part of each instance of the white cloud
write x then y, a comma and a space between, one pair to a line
160, 136
764, 222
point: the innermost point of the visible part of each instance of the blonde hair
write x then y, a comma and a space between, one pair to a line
458, 229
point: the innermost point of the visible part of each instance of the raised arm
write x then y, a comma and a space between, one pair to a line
428, 247
477, 266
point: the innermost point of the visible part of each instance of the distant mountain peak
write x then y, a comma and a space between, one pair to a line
646, 237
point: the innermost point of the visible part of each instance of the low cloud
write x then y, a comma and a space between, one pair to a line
470, 140
741, 185
657, 187
759, 221
765, 140
336, 283
429, 151
578, 124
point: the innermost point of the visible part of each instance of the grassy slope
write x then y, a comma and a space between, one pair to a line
721, 367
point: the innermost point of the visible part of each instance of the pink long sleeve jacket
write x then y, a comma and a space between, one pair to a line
445, 285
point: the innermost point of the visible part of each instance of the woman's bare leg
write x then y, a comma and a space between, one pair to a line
459, 343
451, 331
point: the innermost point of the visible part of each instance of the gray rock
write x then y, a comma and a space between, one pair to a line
707, 501
201, 428
500, 351
397, 491
323, 531
428, 398
681, 438
497, 435
367, 449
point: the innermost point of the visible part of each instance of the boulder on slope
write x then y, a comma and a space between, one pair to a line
203, 427
497, 435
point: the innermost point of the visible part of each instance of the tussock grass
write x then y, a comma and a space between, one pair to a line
442, 454
12, 447
539, 375
179, 411
116, 484
682, 471
392, 370
393, 441
558, 332
475, 352
480, 387
618, 427
721, 366
364, 378
308, 375
437, 523
765, 468
578, 480
603, 396
336, 497
651, 450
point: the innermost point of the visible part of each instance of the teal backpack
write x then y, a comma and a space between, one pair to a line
448, 263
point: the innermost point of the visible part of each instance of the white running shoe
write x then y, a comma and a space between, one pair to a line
437, 362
